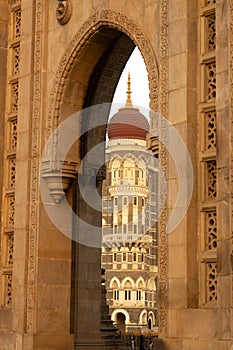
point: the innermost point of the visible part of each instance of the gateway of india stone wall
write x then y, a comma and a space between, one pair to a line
57, 57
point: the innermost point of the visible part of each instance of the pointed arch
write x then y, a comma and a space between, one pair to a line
151, 317
140, 283
79, 84
143, 318
128, 280
109, 19
115, 283
122, 311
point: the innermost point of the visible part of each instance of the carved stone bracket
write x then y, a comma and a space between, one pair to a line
63, 11
153, 144
58, 181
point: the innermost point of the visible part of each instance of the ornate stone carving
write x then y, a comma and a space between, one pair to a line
10, 160
211, 32
211, 230
209, 234
14, 97
34, 179
17, 27
211, 180
211, 81
16, 60
8, 285
163, 239
210, 130
112, 19
58, 181
129, 27
211, 282
63, 11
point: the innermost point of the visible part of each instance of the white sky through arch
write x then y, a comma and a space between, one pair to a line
139, 85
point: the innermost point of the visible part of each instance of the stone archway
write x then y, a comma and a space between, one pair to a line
120, 321
88, 75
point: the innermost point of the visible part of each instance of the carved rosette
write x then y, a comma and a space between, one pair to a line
63, 11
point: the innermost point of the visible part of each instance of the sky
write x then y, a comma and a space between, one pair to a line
139, 85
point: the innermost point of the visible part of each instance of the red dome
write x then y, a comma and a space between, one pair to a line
128, 123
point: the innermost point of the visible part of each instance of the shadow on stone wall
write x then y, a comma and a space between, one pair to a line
159, 344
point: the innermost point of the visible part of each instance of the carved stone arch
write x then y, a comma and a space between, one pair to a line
71, 94
149, 285
126, 280
139, 281
143, 317
113, 281
102, 18
151, 316
116, 162
123, 311
129, 157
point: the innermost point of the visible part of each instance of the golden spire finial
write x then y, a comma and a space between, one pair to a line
128, 103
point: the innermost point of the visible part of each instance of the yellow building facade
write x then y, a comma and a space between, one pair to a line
130, 214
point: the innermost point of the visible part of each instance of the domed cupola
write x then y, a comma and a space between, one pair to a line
128, 122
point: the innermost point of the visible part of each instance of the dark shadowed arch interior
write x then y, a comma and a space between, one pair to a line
106, 54
120, 322
104, 78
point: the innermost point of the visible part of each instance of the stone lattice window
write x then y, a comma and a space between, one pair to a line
10, 248
211, 185
10, 210
210, 33
210, 130
11, 177
209, 234
8, 279
211, 81
14, 97
11, 142
16, 59
17, 24
13, 135
211, 288
211, 230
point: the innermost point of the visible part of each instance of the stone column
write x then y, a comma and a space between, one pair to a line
181, 112
86, 273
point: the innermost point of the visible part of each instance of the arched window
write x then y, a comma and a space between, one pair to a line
116, 294
138, 295
128, 288
125, 200
125, 228
127, 294
149, 324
